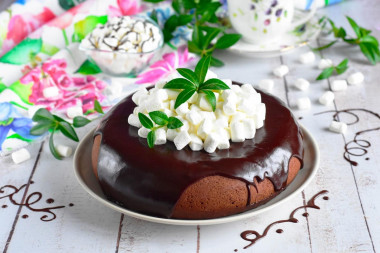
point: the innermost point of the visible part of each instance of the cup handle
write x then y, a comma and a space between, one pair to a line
313, 9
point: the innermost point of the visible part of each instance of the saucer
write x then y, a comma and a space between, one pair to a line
290, 41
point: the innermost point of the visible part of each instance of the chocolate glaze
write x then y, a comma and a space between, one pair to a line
279, 231
151, 181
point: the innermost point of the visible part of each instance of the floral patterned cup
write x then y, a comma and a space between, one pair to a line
264, 21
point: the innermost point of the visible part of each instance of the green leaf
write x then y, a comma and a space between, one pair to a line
227, 40
49, 49
188, 74
43, 115
176, 6
325, 46
179, 83
158, 117
153, 16
214, 84
174, 123
23, 53
2, 87
80, 121
68, 4
202, 67
197, 36
85, 26
151, 138
188, 4
193, 48
52, 147
88, 67
97, 107
216, 62
184, 19
210, 96
41, 128
354, 26
342, 67
211, 34
326, 73
371, 52
183, 97
364, 32
370, 40
67, 130
145, 121
172, 23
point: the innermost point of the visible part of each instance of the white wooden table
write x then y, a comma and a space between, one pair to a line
348, 222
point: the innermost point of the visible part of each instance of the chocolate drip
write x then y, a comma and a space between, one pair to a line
279, 231
151, 181
310, 204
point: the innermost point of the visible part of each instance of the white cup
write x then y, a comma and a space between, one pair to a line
264, 21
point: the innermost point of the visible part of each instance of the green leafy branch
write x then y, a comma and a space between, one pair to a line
162, 120
48, 122
367, 43
194, 81
338, 69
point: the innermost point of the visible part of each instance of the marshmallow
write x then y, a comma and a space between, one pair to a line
303, 103
143, 132
160, 136
249, 128
207, 115
237, 132
171, 134
50, 92
74, 111
229, 107
302, 84
181, 140
137, 95
20, 156
193, 99
356, 78
64, 151
338, 127
306, 58
210, 75
224, 142
327, 98
203, 103
196, 143
247, 105
161, 94
172, 94
229, 96
182, 109
339, 85
205, 128
211, 143
133, 120
325, 63
194, 117
153, 104
266, 85
247, 89
221, 122
228, 82
281, 71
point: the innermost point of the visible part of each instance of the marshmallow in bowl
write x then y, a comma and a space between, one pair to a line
124, 34
239, 112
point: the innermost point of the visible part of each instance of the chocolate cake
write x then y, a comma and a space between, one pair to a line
183, 184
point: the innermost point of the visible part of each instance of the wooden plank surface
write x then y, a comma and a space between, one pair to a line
348, 222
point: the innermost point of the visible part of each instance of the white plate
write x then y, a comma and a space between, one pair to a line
289, 42
86, 177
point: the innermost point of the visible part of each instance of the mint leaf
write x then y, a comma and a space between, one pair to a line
325, 46
174, 123
214, 84
67, 130
210, 96
202, 67
211, 34
354, 26
52, 147
179, 83
145, 121
183, 97
80, 121
197, 36
151, 138
158, 117
216, 62
326, 73
98, 107
42, 115
227, 40
41, 128
189, 74
342, 67
370, 51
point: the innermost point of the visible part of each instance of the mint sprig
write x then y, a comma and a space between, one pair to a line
159, 118
367, 43
194, 81
339, 69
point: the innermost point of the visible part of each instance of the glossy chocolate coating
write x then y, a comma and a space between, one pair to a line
150, 181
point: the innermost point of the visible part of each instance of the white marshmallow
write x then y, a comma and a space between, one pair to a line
207, 115
153, 104
303, 103
327, 98
143, 132
211, 142
137, 95
229, 96
266, 85
281, 71
239, 116
171, 134
193, 99
224, 142
50, 92
181, 140
172, 94
64, 151
247, 89
185, 126
228, 82
74, 111
203, 103
161, 94
194, 117
160, 136
237, 132
355, 78
261, 111
249, 128
221, 122
133, 120
339, 85
20, 156
237, 89
302, 84
138, 109
196, 143
306, 58
325, 63
182, 109
205, 128
229, 107
247, 105
194, 107
338, 127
